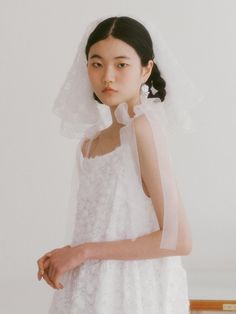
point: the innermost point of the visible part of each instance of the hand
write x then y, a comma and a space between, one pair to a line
55, 263
42, 272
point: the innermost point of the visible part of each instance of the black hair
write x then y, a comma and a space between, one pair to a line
136, 35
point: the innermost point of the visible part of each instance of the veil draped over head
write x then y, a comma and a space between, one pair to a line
83, 117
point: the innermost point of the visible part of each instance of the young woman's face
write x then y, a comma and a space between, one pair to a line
113, 63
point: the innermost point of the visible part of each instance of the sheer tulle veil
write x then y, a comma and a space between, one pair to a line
82, 116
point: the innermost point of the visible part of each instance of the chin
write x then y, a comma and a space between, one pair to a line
112, 102
109, 104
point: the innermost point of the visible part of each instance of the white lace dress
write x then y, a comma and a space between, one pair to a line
151, 286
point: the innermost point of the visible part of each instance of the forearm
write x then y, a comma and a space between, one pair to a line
143, 247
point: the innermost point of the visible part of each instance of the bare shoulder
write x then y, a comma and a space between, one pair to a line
143, 132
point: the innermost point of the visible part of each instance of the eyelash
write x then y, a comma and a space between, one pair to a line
100, 64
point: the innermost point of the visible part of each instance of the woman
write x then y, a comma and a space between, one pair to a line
130, 227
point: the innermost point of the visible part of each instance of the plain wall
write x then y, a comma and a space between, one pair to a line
38, 43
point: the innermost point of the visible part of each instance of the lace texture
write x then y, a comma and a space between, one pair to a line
150, 286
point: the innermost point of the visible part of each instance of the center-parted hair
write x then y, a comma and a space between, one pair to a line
136, 35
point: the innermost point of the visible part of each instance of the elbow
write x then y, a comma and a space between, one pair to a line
186, 247
185, 244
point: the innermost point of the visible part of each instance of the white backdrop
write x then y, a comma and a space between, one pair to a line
38, 41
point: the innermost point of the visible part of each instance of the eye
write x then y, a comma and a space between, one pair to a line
123, 65
96, 64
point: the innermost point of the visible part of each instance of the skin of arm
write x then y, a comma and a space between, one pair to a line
148, 245
144, 247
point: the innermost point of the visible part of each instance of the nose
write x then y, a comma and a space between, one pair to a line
108, 75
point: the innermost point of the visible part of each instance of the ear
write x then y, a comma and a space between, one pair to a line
147, 70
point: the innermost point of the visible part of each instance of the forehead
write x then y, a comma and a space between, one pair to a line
110, 48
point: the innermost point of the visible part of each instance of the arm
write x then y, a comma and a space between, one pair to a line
144, 247
148, 245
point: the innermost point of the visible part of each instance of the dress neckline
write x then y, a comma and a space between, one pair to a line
114, 151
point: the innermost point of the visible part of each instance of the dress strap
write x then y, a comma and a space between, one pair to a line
89, 142
89, 136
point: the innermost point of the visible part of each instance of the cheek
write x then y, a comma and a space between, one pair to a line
93, 77
132, 80
133, 75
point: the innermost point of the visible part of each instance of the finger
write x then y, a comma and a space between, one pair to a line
47, 279
54, 276
57, 283
41, 259
46, 263
40, 263
39, 274
42, 270
51, 271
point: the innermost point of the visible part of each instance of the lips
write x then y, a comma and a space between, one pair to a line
107, 89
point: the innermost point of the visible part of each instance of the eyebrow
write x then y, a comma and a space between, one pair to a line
99, 57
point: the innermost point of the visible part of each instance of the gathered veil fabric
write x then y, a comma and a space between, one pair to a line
82, 117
